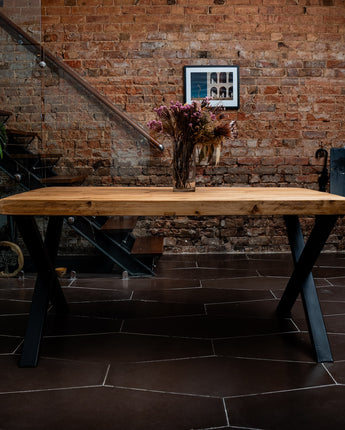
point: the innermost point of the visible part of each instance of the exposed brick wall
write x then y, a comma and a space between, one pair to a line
290, 53
292, 76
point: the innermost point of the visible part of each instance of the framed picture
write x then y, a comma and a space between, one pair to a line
220, 83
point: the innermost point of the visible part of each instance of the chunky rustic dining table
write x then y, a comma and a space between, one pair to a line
58, 202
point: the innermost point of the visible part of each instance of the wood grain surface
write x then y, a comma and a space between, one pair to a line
164, 202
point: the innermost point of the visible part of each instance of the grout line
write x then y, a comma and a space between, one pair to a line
164, 360
237, 357
272, 292
330, 266
332, 301
98, 289
146, 390
280, 391
15, 300
213, 347
275, 360
211, 428
71, 360
331, 376
106, 375
100, 301
226, 413
52, 389
11, 336
293, 322
240, 278
57, 336
133, 333
222, 427
332, 332
334, 315
329, 283
245, 428
268, 299
18, 346
335, 285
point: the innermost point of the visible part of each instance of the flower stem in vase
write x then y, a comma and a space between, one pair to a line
183, 167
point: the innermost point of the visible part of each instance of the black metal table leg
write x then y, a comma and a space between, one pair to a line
301, 281
46, 282
51, 243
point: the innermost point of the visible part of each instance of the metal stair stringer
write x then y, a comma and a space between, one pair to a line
19, 173
116, 251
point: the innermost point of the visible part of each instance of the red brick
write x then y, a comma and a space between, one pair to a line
251, 161
71, 19
74, 64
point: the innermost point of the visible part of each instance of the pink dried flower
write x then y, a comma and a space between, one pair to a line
195, 124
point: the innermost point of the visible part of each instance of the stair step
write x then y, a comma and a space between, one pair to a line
21, 133
4, 114
63, 179
20, 138
148, 245
120, 223
24, 155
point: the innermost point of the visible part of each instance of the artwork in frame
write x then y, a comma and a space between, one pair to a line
220, 83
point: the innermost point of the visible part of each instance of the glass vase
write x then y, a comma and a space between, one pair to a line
183, 170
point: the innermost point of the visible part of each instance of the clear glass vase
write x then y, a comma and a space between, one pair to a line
183, 170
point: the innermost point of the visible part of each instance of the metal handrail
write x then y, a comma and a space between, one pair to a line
11, 27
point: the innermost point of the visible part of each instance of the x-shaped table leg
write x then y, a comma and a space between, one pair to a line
301, 281
47, 284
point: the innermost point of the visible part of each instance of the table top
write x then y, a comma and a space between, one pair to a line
162, 201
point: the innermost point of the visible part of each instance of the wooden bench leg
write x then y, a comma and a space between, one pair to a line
47, 285
301, 281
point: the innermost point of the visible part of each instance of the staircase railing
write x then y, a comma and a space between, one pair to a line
36, 47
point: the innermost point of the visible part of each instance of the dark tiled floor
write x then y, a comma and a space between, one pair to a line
196, 347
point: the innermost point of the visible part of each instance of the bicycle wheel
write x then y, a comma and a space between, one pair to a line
11, 259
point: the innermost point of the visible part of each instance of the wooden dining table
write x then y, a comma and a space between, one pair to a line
288, 202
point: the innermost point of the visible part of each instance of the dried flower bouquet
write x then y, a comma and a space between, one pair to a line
197, 124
